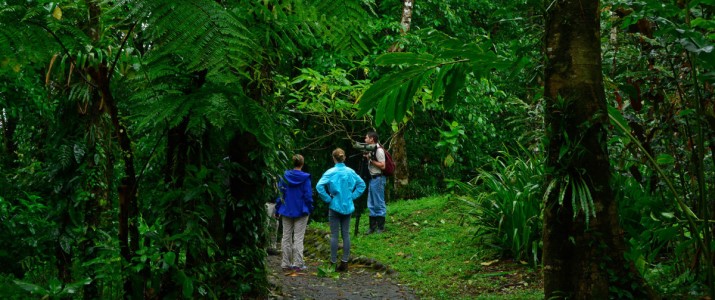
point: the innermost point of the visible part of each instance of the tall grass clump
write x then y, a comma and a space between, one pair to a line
506, 202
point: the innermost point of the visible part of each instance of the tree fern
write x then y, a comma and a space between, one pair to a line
340, 18
203, 33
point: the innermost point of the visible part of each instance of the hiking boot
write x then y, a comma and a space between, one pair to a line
380, 224
373, 225
342, 267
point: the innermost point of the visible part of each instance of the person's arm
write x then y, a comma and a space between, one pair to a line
379, 160
308, 194
359, 186
322, 186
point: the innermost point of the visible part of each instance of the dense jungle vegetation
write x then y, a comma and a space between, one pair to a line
141, 138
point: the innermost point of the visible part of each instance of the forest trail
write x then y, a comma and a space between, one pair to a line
363, 280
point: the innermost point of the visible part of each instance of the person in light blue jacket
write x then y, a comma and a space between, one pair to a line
340, 186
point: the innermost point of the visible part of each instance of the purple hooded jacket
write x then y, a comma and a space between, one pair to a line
296, 198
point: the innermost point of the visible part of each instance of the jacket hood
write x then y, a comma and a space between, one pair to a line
295, 177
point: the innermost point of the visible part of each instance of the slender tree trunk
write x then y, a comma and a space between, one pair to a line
583, 258
399, 155
96, 183
99, 190
128, 208
399, 151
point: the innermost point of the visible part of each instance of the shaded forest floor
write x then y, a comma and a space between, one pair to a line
364, 279
428, 251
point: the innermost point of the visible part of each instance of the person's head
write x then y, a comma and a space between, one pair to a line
371, 138
338, 155
298, 160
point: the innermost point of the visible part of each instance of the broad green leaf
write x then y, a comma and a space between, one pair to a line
669, 215
380, 110
55, 286
170, 258
457, 79
618, 120
438, 86
703, 23
188, 287
665, 159
32, 288
386, 85
75, 287
391, 102
686, 112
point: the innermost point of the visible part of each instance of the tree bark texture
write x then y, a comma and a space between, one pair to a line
399, 151
583, 258
128, 207
399, 155
405, 23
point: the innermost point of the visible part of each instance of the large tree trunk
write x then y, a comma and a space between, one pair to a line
581, 255
245, 214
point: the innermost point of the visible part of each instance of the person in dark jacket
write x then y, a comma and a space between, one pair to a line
294, 206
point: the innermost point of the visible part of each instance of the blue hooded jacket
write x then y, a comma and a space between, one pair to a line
340, 186
296, 194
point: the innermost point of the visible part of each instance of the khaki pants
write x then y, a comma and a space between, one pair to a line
292, 243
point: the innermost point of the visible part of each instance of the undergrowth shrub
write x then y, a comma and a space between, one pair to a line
659, 245
506, 203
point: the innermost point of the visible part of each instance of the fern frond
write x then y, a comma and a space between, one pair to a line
341, 33
202, 33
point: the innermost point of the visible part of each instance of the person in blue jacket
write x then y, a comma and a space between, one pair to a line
294, 206
340, 186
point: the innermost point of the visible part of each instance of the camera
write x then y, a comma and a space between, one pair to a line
365, 147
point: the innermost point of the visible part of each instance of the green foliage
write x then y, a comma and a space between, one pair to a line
662, 127
451, 141
505, 202
392, 95
428, 245
219, 39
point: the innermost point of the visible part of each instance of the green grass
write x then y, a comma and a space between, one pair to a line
435, 254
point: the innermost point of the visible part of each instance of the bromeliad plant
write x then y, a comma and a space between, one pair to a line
506, 204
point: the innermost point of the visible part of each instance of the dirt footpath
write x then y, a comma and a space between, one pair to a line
365, 279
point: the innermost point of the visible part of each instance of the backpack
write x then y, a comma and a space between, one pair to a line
389, 163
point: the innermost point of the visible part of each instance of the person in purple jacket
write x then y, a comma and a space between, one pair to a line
294, 206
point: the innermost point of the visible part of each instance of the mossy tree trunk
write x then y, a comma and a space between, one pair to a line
399, 151
583, 256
